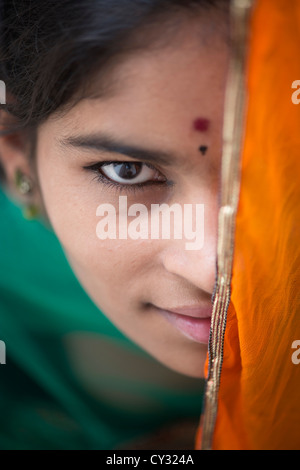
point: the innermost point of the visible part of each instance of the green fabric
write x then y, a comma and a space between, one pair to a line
71, 379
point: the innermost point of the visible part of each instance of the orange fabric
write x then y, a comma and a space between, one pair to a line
259, 399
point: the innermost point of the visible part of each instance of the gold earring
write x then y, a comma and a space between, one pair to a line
24, 185
31, 211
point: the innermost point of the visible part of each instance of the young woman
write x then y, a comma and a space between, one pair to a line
129, 69
116, 108
99, 104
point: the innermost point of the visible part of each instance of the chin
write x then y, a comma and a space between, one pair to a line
195, 372
188, 363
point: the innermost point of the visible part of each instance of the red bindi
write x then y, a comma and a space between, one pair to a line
201, 124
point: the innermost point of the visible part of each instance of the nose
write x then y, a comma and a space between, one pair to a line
196, 266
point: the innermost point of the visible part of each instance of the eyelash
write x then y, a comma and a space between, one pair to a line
96, 168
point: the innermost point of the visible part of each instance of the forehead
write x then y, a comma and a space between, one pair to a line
160, 90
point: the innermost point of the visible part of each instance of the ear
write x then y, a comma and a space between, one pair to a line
16, 149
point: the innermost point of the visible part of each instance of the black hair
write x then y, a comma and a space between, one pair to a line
49, 48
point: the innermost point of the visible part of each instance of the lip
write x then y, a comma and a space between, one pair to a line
193, 321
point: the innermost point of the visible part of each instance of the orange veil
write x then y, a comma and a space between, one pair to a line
258, 398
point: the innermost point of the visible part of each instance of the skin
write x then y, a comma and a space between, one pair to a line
157, 98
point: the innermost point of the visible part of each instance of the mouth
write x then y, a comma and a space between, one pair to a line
192, 321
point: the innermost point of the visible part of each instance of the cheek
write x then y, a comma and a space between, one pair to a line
71, 204
67, 205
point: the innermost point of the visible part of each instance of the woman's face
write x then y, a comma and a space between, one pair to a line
167, 103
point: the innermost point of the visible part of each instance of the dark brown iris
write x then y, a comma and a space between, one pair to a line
127, 170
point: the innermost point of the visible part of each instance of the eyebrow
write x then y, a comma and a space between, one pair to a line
102, 142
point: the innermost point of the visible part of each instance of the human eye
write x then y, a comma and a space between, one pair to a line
127, 173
